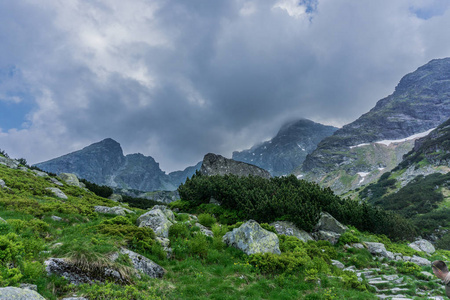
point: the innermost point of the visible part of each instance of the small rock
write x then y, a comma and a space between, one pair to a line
2, 183
70, 179
116, 210
56, 218
55, 181
39, 173
420, 261
205, 230
116, 198
57, 192
28, 286
338, 264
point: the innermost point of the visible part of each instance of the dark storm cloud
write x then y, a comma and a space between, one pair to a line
177, 79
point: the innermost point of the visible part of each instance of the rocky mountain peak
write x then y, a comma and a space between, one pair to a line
214, 164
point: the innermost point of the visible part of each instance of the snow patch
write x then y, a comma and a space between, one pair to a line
299, 176
388, 142
362, 175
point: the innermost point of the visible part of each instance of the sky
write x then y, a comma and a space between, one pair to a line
176, 79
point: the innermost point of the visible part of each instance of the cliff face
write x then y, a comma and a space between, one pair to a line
288, 149
104, 163
218, 165
420, 102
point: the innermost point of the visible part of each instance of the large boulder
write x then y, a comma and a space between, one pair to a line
75, 275
328, 223
116, 210
10, 163
329, 236
420, 261
214, 164
423, 245
379, 249
144, 265
71, 179
159, 218
251, 238
10, 293
288, 228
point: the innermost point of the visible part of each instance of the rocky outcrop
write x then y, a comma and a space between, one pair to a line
423, 245
420, 102
103, 163
14, 293
328, 223
57, 192
159, 218
116, 210
71, 179
214, 164
288, 228
165, 197
10, 163
288, 149
143, 264
251, 238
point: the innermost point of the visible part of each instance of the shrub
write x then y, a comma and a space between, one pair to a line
178, 230
269, 263
206, 220
199, 245
11, 249
348, 238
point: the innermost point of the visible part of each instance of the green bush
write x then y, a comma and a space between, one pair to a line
178, 230
11, 249
206, 220
199, 245
348, 238
269, 263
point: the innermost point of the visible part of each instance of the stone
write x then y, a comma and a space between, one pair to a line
214, 201
56, 218
377, 249
75, 298
10, 163
251, 238
328, 223
116, 198
75, 275
28, 286
144, 265
357, 246
116, 210
338, 264
204, 230
39, 173
19, 294
289, 228
423, 245
2, 220
159, 218
2, 183
70, 179
55, 181
57, 192
330, 236
420, 261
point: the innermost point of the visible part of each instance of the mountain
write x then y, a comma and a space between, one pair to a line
104, 163
363, 150
288, 149
214, 164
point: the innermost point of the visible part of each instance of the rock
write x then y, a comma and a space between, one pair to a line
251, 238
214, 164
2, 183
75, 275
357, 246
116, 198
75, 298
71, 179
57, 192
10, 163
427, 274
116, 210
14, 293
423, 245
328, 223
420, 261
165, 243
338, 264
330, 236
55, 181
288, 228
39, 173
204, 230
214, 201
28, 286
159, 218
2, 220
56, 218
143, 264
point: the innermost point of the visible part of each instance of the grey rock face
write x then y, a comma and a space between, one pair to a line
423, 245
288, 228
57, 192
420, 261
55, 181
39, 173
143, 264
159, 218
10, 163
214, 164
14, 293
288, 149
322, 235
328, 223
204, 230
116, 210
251, 238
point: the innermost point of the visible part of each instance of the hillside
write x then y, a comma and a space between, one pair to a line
104, 163
288, 149
104, 247
420, 102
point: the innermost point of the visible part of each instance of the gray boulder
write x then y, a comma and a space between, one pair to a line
57, 192
328, 223
116, 210
337, 264
39, 173
423, 245
159, 218
75, 275
10, 163
116, 198
214, 164
330, 236
56, 218
288, 228
251, 238
14, 293
71, 179
2, 183
55, 181
143, 264
379, 249
420, 261
204, 230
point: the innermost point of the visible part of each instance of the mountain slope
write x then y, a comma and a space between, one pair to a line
104, 163
288, 149
420, 102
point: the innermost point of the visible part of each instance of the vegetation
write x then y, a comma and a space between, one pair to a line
287, 198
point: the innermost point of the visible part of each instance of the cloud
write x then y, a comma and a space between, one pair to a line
177, 79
